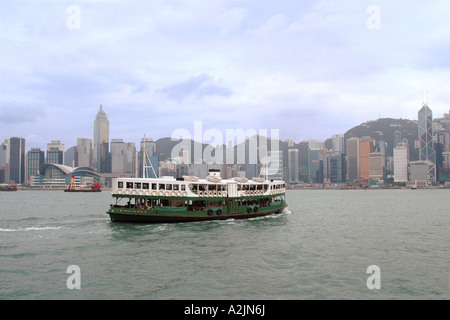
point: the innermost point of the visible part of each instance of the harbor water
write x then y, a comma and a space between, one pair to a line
321, 248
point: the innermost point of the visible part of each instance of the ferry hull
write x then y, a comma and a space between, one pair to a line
194, 217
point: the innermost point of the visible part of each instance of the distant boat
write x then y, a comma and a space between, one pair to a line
8, 187
95, 187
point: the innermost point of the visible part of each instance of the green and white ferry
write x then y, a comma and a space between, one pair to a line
186, 199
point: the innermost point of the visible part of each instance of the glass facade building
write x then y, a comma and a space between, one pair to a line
427, 152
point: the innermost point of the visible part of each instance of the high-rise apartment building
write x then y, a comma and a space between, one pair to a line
427, 152
101, 141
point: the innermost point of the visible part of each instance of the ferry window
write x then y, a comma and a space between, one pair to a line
145, 186
137, 185
154, 186
168, 187
129, 185
120, 184
162, 186
183, 187
176, 187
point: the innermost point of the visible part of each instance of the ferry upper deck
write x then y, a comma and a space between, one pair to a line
193, 187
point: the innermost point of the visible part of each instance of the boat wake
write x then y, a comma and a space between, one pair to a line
29, 229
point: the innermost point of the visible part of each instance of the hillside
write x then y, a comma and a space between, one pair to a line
388, 130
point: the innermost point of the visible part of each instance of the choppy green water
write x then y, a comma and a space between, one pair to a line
319, 249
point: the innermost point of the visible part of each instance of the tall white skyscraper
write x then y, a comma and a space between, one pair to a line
101, 141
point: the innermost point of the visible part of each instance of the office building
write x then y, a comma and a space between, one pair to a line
83, 153
272, 167
4, 161
101, 142
35, 158
293, 165
16, 158
365, 149
376, 167
353, 159
337, 167
401, 163
425, 131
420, 171
337, 141
314, 150
55, 152
123, 157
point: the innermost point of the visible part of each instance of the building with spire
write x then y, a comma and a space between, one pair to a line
426, 148
101, 141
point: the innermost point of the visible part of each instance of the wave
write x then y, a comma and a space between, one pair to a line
29, 229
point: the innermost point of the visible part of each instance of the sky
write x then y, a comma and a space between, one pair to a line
308, 69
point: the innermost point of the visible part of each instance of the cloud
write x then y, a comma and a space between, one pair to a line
13, 112
310, 68
198, 86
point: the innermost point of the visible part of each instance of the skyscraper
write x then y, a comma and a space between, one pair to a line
353, 159
427, 152
55, 152
101, 141
16, 160
35, 158
337, 167
338, 143
365, 149
123, 157
401, 163
83, 153
293, 165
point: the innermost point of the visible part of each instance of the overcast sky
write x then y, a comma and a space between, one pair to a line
308, 68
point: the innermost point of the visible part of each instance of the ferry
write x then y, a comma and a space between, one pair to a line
6, 187
188, 199
95, 187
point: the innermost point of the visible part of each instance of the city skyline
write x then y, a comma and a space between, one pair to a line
367, 160
45, 146
309, 69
